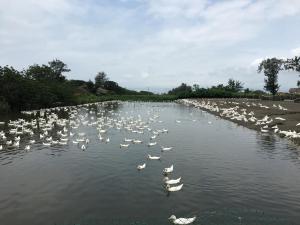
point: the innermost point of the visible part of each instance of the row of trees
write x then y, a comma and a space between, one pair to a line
103, 85
41, 86
37, 86
271, 67
231, 89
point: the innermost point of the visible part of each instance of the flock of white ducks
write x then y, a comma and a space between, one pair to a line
47, 127
265, 124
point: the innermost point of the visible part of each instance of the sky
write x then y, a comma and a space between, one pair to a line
153, 44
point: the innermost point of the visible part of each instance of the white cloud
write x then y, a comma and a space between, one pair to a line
179, 40
176, 8
145, 75
295, 52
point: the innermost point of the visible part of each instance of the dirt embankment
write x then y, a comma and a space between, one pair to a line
281, 117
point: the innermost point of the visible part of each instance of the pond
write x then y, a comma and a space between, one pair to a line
230, 174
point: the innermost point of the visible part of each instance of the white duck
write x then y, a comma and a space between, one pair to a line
140, 167
27, 147
153, 157
280, 118
182, 220
137, 141
175, 188
17, 144
152, 144
124, 145
163, 149
169, 169
173, 181
153, 137
263, 130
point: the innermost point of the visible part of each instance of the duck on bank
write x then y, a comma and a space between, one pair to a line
259, 115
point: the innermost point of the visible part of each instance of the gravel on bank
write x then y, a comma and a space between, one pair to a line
281, 117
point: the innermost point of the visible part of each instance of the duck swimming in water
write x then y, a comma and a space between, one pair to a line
169, 169
173, 181
164, 149
175, 188
151, 144
124, 145
153, 157
140, 167
175, 220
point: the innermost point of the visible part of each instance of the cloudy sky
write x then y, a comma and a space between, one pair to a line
154, 44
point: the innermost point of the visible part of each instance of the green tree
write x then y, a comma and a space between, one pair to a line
293, 64
234, 85
271, 68
90, 86
195, 87
111, 85
182, 90
37, 72
58, 67
100, 79
10, 86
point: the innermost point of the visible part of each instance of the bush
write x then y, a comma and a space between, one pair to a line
4, 107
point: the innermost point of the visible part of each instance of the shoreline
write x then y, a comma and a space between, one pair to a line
282, 118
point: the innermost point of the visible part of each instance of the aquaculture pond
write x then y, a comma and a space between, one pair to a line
66, 166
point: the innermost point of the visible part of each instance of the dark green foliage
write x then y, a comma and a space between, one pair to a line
232, 90
4, 107
182, 90
37, 72
52, 72
293, 64
271, 68
43, 86
100, 79
146, 93
81, 84
33, 88
234, 85
111, 85
90, 87
219, 91
58, 68
153, 98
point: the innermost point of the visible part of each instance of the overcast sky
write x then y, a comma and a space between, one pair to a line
154, 44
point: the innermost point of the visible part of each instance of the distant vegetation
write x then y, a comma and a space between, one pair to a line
271, 68
233, 88
43, 86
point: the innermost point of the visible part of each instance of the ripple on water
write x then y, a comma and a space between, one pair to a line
227, 171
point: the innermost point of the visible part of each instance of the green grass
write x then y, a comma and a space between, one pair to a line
87, 98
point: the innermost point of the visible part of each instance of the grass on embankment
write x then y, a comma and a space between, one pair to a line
82, 99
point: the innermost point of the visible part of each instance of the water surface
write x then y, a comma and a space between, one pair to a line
231, 175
